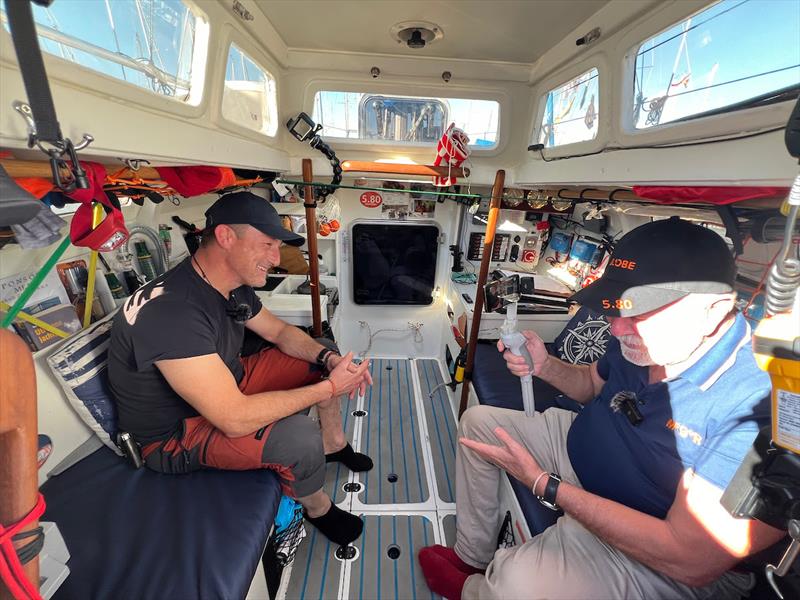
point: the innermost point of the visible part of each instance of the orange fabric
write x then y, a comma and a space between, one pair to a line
38, 187
271, 370
227, 178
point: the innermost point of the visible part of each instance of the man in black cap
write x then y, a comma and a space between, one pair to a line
669, 413
191, 401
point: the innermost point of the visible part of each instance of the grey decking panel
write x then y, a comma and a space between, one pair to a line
336, 474
315, 570
441, 428
375, 575
391, 437
449, 525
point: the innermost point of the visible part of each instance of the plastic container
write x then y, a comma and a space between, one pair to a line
145, 261
103, 292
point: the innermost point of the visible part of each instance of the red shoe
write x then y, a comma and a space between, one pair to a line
442, 577
449, 554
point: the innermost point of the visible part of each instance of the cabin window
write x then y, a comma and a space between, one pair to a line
404, 119
571, 111
153, 44
249, 98
734, 55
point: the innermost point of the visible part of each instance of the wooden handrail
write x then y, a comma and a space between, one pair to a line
360, 166
488, 243
18, 446
39, 168
311, 236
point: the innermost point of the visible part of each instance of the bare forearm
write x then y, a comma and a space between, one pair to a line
255, 411
573, 380
296, 343
642, 537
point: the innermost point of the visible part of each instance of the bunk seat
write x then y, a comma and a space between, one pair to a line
582, 341
140, 534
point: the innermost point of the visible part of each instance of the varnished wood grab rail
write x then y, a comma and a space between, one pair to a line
39, 168
311, 239
18, 433
488, 243
360, 166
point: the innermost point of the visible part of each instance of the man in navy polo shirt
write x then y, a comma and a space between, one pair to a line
669, 413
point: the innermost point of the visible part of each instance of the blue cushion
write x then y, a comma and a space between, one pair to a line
496, 386
79, 365
140, 534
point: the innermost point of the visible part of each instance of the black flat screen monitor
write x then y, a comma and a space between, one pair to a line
394, 263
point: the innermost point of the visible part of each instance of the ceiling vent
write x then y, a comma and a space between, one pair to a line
416, 34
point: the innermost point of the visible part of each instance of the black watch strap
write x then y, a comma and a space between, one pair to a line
322, 358
548, 498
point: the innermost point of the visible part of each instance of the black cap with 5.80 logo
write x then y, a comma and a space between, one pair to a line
657, 264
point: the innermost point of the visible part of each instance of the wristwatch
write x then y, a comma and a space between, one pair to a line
322, 358
548, 498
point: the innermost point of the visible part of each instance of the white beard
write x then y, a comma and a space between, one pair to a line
635, 353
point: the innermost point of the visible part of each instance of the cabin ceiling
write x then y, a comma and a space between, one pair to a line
496, 30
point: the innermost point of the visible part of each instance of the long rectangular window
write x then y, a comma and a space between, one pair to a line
152, 44
733, 55
571, 111
404, 119
249, 98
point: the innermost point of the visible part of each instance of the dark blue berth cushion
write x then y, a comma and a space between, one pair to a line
144, 535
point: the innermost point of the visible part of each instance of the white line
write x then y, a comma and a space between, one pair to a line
426, 439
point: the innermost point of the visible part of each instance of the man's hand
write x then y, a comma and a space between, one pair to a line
334, 359
512, 456
347, 377
517, 365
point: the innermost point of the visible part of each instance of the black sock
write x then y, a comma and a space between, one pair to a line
355, 461
339, 526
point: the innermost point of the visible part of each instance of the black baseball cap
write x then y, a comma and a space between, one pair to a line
657, 264
245, 208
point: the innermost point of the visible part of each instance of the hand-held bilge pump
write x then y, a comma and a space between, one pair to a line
504, 293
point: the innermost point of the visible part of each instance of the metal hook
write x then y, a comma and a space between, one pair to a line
26, 113
134, 164
87, 139
58, 148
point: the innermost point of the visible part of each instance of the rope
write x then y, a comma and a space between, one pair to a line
11, 571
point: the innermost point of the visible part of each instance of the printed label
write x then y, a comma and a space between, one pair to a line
788, 416
371, 199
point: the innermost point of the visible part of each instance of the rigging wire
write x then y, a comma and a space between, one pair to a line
116, 37
695, 26
721, 83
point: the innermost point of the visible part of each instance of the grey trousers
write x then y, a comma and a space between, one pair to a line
566, 560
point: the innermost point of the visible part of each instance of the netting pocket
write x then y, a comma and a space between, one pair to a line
288, 533
505, 538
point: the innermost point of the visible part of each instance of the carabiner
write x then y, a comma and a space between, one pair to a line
78, 174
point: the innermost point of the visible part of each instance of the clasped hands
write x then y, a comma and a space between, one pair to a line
348, 377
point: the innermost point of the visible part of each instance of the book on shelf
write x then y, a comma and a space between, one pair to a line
61, 316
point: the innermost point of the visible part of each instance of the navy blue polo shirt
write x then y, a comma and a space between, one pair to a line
704, 419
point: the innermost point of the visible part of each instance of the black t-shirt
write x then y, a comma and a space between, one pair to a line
177, 315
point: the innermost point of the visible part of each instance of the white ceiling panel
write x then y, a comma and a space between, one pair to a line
500, 30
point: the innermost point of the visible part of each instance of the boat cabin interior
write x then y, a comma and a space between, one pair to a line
457, 169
